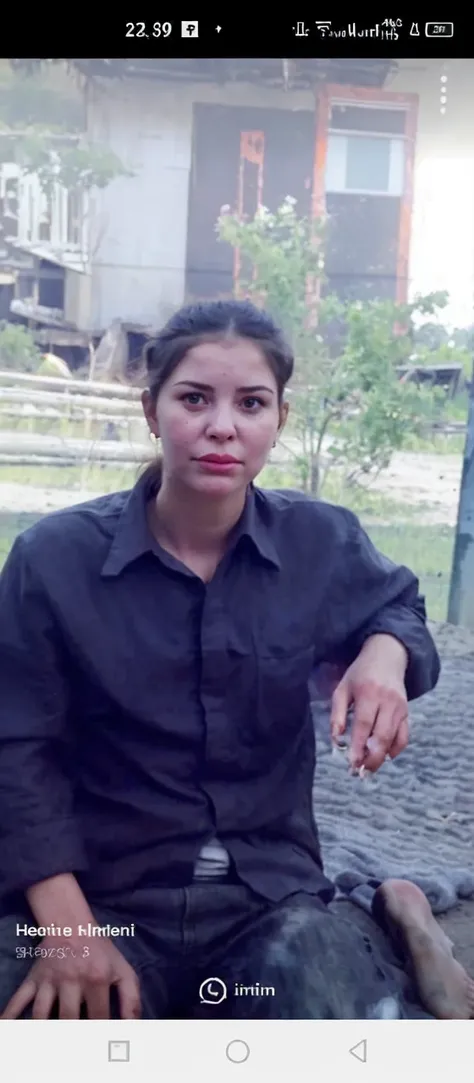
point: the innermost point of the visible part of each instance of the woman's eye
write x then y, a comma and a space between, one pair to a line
194, 398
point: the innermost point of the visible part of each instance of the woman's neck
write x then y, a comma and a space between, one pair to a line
190, 523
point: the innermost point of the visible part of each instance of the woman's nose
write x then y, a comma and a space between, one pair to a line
222, 423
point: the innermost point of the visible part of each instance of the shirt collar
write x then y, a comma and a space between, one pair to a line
255, 524
133, 536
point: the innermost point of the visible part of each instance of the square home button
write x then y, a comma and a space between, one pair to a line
119, 1051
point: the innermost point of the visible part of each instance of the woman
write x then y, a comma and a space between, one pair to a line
156, 747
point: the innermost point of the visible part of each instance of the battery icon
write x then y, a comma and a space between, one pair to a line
439, 30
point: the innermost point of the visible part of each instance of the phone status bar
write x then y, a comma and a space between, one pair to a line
234, 37
231, 36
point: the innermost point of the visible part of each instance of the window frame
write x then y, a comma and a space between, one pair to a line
396, 169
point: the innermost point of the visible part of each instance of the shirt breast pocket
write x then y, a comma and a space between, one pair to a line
281, 691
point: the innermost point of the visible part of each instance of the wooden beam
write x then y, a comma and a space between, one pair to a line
66, 404
45, 460
23, 445
81, 387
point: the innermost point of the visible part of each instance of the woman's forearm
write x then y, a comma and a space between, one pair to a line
59, 901
390, 646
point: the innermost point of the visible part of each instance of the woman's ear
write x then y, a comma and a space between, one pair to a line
149, 410
284, 411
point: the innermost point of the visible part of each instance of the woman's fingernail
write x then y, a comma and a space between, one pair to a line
373, 745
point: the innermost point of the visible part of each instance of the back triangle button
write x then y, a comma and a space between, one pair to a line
359, 1051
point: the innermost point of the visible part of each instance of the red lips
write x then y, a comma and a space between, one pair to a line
223, 459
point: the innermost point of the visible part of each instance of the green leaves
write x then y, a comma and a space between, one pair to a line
41, 130
76, 165
18, 349
280, 251
349, 408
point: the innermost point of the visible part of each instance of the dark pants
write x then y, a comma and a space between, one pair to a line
294, 960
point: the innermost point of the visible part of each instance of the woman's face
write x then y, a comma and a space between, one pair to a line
220, 401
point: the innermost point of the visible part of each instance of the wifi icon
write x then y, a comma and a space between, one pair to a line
323, 26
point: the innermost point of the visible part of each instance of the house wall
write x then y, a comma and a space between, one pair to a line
78, 298
139, 230
139, 225
35, 220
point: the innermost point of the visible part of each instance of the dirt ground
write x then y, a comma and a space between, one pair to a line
458, 923
429, 480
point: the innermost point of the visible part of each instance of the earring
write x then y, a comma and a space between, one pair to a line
274, 443
152, 436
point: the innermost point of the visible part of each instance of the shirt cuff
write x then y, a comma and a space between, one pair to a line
48, 849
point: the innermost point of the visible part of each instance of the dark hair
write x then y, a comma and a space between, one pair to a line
211, 320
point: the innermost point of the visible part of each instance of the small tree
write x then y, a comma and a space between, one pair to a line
18, 349
349, 407
42, 128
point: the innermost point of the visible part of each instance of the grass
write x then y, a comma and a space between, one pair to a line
452, 444
94, 478
428, 551
453, 410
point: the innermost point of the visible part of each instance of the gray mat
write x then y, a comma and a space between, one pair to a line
413, 819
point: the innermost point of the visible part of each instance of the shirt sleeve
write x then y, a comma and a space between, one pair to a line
39, 836
383, 597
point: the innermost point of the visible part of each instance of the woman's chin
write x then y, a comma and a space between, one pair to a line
217, 484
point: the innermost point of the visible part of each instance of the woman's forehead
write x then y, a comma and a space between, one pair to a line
239, 361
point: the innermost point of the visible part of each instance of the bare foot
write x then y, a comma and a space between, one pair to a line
444, 987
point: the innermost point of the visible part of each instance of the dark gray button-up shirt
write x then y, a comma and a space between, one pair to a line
143, 712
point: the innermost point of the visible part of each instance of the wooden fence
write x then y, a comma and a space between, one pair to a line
47, 398
115, 406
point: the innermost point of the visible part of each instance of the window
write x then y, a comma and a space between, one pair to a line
365, 164
75, 214
9, 200
45, 219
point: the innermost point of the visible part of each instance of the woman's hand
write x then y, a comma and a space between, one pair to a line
78, 971
374, 685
